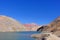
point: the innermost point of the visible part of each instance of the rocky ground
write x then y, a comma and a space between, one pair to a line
45, 36
53, 27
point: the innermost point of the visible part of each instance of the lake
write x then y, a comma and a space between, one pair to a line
17, 35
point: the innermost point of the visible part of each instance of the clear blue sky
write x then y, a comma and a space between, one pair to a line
31, 11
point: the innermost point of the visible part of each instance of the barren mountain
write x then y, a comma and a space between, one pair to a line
53, 27
9, 24
49, 32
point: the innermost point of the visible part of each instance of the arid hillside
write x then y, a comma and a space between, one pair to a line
9, 24
49, 32
53, 27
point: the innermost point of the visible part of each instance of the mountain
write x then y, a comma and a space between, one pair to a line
49, 32
8, 24
56, 22
31, 27
53, 27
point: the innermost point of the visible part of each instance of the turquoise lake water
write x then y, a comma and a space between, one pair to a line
17, 35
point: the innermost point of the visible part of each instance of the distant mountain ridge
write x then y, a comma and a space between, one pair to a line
31, 27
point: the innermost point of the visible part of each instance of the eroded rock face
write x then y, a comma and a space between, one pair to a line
45, 36
53, 27
8, 24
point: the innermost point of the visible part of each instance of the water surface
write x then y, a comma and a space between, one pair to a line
17, 35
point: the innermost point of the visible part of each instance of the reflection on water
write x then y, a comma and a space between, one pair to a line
16, 35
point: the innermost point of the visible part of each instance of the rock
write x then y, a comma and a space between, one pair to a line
8, 24
45, 36
53, 27
49, 32
41, 28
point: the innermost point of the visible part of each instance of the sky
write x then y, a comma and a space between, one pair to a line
31, 11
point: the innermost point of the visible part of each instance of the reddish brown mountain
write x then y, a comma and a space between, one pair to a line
31, 27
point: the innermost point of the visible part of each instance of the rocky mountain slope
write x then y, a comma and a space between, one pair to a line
53, 28
9, 24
